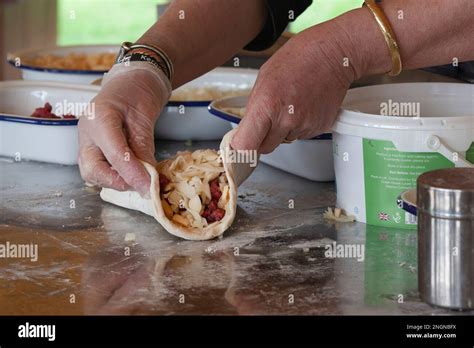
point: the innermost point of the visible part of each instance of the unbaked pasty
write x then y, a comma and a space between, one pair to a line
193, 195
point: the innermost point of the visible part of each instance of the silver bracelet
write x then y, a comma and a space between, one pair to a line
128, 46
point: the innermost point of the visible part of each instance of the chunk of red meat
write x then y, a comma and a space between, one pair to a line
44, 112
217, 215
212, 212
211, 206
206, 214
48, 107
164, 181
215, 190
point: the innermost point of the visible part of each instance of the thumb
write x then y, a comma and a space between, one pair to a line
143, 147
254, 127
140, 137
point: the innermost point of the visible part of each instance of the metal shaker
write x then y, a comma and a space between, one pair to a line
445, 209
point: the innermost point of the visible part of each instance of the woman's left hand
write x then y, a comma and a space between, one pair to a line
299, 91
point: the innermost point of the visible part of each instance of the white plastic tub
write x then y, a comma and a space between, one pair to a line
85, 77
311, 159
46, 140
190, 119
376, 157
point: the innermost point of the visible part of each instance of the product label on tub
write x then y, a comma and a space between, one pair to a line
470, 154
388, 172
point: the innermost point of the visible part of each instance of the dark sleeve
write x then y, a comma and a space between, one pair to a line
278, 17
464, 71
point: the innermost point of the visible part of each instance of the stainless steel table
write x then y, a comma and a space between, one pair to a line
271, 261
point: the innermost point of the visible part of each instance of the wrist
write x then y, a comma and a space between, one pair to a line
140, 56
154, 78
366, 50
155, 56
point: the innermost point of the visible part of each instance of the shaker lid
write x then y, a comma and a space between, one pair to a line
447, 193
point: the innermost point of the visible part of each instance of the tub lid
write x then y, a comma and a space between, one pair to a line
447, 193
408, 106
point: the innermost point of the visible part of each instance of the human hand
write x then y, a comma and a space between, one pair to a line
120, 132
299, 91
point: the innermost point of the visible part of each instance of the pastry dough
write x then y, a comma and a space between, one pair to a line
179, 208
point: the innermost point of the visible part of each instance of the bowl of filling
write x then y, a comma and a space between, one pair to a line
82, 64
38, 120
311, 159
186, 116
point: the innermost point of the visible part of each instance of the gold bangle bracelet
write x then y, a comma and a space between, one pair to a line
388, 34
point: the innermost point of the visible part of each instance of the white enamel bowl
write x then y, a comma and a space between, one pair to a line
191, 120
46, 140
86, 77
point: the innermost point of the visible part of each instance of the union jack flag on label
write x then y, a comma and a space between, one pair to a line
384, 216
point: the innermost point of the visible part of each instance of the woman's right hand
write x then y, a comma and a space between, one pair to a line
117, 132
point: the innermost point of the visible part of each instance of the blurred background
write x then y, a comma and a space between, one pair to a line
38, 23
